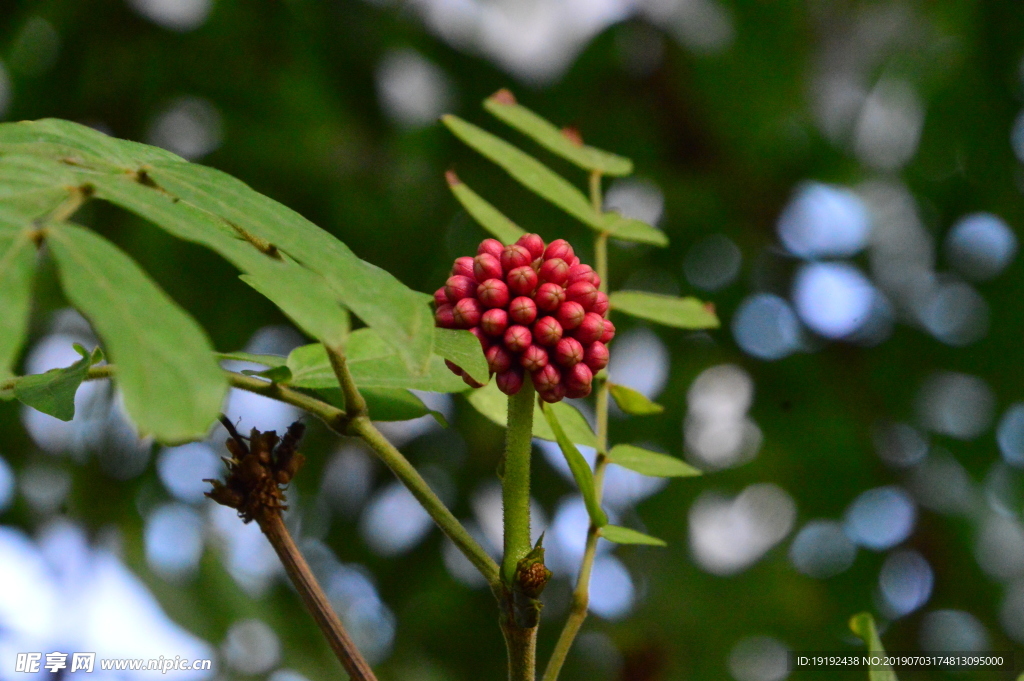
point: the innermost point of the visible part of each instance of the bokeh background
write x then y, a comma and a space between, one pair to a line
842, 178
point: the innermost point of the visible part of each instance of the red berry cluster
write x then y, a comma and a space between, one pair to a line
534, 308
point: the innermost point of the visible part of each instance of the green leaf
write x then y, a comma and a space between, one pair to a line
630, 229
463, 349
646, 462
682, 313
373, 363
633, 402
273, 374
386, 404
528, 171
863, 625
166, 370
78, 144
400, 314
504, 106
489, 217
493, 404
265, 360
53, 392
17, 263
578, 465
624, 535
305, 297
30, 188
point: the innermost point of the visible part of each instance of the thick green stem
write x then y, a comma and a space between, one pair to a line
522, 650
515, 483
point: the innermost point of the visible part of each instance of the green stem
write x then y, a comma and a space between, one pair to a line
522, 650
355, 405
515, 483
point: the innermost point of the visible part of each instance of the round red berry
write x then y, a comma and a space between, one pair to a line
591, 329
486, 266
532, 243
609, 332
498, 359
600, 305
549, 297
546, 378
578, 377
467, 313
514, 256
493, 293
522, 310
547, 331
463, 267
509, 382
555, 394
492, 246
570, 315
518, 338
458, 287
568, 352
444, 316
533, 358
522, 280
485, 342
596, 356
554, 270
440, 297
580, 273
559, 248
582, 292
494, 322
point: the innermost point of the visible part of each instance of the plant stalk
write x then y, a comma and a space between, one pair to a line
314, 597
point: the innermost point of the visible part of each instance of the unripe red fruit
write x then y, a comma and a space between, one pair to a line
546, 378
440, 297
570, 315
532, 243
554, 270
498, 359
494, 322
458, 287
559, 248
514, 256
444, 316
609, 332
575, 261
492, 246
571, 393
522, 310
455, 368
547, 331
486, 266
600, 305
549, 297
582, 292
463, 266
596, 356
493, 293
509, 382
485, 342
533, 358
522, 280
578, 377
467, 313
555, 394
591, 329
518, 338
568, 352
580, 273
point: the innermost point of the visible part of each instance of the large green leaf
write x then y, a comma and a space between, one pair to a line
31, 187
166, 370
863, 625
400, 314
633, 402
463, 349
493, 404
272, 361
78, 144
528, 171
504, 106
17, 263
53, 392
386, 404
631, 229
624, 535
303, 295
489, 217
682, 313
651, 463
581, 471
373, 364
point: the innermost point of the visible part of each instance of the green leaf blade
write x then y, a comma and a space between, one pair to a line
630, 229
481, 210
680, 313
624, 535
463, 349
633, 402
650, 463
17, 267
54, 392
503, 106
167, 373
581, 471
863, 625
